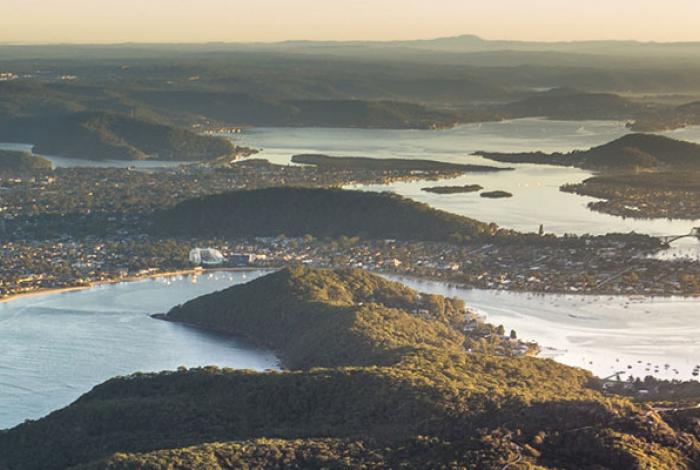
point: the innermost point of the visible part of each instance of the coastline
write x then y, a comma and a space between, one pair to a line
106, 282
389, 274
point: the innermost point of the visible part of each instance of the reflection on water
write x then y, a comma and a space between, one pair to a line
451, 145
66, 162
536, 200
56, 347
535, 188
604, 334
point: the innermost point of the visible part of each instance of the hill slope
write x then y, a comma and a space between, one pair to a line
105, 136
21, 162
398, 389
319, 212
629, 151
564, 103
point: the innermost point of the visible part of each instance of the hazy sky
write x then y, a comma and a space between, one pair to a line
38, 21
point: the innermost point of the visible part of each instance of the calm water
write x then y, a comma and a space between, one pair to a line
537, 199
65, 162
451, 145
640, 336
54, 348
536, 196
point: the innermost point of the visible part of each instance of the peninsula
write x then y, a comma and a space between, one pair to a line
377, 375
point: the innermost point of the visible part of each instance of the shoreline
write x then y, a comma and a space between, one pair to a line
389, 274
107, 282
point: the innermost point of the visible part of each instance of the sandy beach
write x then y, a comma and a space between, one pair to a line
61, 290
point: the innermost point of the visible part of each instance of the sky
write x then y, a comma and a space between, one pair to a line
115, 21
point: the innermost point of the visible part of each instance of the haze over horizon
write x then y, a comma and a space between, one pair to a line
189, 21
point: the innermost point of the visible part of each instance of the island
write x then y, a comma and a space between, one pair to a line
469, 188
375, 374
496, 194
389, 164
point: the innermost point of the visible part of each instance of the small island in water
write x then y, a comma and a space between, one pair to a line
496, 194
468, 188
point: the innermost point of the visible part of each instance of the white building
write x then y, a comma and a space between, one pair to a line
206, 257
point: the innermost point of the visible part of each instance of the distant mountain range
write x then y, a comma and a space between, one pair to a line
459, 44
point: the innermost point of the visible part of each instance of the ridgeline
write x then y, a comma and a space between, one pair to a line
380, 376
318, 212
631, 151
107, 136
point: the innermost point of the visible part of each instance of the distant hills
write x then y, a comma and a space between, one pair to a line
431, 84
318, 212
378, 375
462, 44
572, 104
629, 151
249, 109
108, 136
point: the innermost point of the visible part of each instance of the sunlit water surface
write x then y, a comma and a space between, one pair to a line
67, 162
54, 348
536, 196
635, 335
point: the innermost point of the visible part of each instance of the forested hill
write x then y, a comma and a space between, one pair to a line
566, 103
629, 151
321, 313
397, 388
318, 212
21, 162
109, 136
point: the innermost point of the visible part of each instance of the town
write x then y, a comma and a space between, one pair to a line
74, 227
603, 266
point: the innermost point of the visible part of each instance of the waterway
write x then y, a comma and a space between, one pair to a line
56, 347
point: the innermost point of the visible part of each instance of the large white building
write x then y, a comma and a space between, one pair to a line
206, 257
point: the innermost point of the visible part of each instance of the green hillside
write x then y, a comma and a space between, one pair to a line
565, 103
21, 162
105, 136
380, 376
318, 212
629, 151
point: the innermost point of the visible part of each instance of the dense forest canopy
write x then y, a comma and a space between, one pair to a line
380, 375
318, 212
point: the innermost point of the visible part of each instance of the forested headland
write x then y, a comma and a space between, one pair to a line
378, 375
